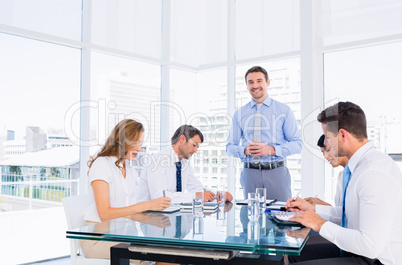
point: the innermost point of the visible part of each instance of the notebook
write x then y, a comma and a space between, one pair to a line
208, 207
268, 202
171, 209
283, 217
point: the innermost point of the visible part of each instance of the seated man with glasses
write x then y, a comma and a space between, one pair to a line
169, 172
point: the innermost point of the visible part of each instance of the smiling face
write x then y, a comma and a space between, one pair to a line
257, 86
188, 148
328, 154
134, 148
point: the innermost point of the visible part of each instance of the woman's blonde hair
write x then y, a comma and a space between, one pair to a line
125, 134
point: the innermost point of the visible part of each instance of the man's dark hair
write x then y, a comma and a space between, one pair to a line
188, 131
256, 69
347, 116
321, 141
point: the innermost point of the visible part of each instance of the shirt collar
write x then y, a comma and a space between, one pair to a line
174, 156
114, 159
267, 101
356, 157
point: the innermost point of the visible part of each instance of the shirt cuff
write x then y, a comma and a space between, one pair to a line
241, 151
278, 150
324, 211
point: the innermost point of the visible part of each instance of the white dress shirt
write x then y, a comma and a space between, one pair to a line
373, 198
160, 175
338, 192
121, 190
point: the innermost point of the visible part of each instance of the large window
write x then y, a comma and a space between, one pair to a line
266, 28
369, 77
348, 21
124, 88
198, 32
60, 18
133, 26
39, 86
200, 99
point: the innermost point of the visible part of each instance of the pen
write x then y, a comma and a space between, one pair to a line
164, 195
272, 202
295, 197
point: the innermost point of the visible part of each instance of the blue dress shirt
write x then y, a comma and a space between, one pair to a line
278, 129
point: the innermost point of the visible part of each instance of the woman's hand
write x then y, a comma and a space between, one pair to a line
159, 204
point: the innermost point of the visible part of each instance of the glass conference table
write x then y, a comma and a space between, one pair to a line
222, 237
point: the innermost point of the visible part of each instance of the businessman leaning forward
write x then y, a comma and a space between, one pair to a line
366, 229
263, 133
169, 172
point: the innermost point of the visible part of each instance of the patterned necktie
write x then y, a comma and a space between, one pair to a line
345, 182
257, 130
178, 176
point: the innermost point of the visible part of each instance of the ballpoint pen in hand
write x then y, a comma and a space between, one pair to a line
164, 195
295, 197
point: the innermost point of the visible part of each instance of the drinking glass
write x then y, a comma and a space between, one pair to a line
262, 196
253, 232
220, 197
198, 204
253, 206
198, 228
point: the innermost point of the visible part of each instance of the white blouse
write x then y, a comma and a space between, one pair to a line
121, 190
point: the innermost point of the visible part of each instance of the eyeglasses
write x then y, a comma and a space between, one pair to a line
194, 143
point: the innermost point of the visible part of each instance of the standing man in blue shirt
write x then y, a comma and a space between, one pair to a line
263, 133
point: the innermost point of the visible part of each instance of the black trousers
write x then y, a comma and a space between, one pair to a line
328, 254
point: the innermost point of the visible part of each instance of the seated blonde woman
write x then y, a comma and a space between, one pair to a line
113, 184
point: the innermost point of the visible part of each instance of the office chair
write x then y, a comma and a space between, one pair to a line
74, 208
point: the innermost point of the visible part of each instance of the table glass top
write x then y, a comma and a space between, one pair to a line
227, 229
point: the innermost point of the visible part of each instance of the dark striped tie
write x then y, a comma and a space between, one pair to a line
178, 176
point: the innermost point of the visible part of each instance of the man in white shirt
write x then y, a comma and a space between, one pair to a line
366, 229
160, 177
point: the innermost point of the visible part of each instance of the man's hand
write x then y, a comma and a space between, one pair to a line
299, 205
209, 196
259, 149
228, 196
316, 201
309, 219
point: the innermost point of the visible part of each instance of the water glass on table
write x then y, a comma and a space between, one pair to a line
220, 197
253, 206
198, 204
262, 196
253, 232
198, 228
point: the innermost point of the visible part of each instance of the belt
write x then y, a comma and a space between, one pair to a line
265, 166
